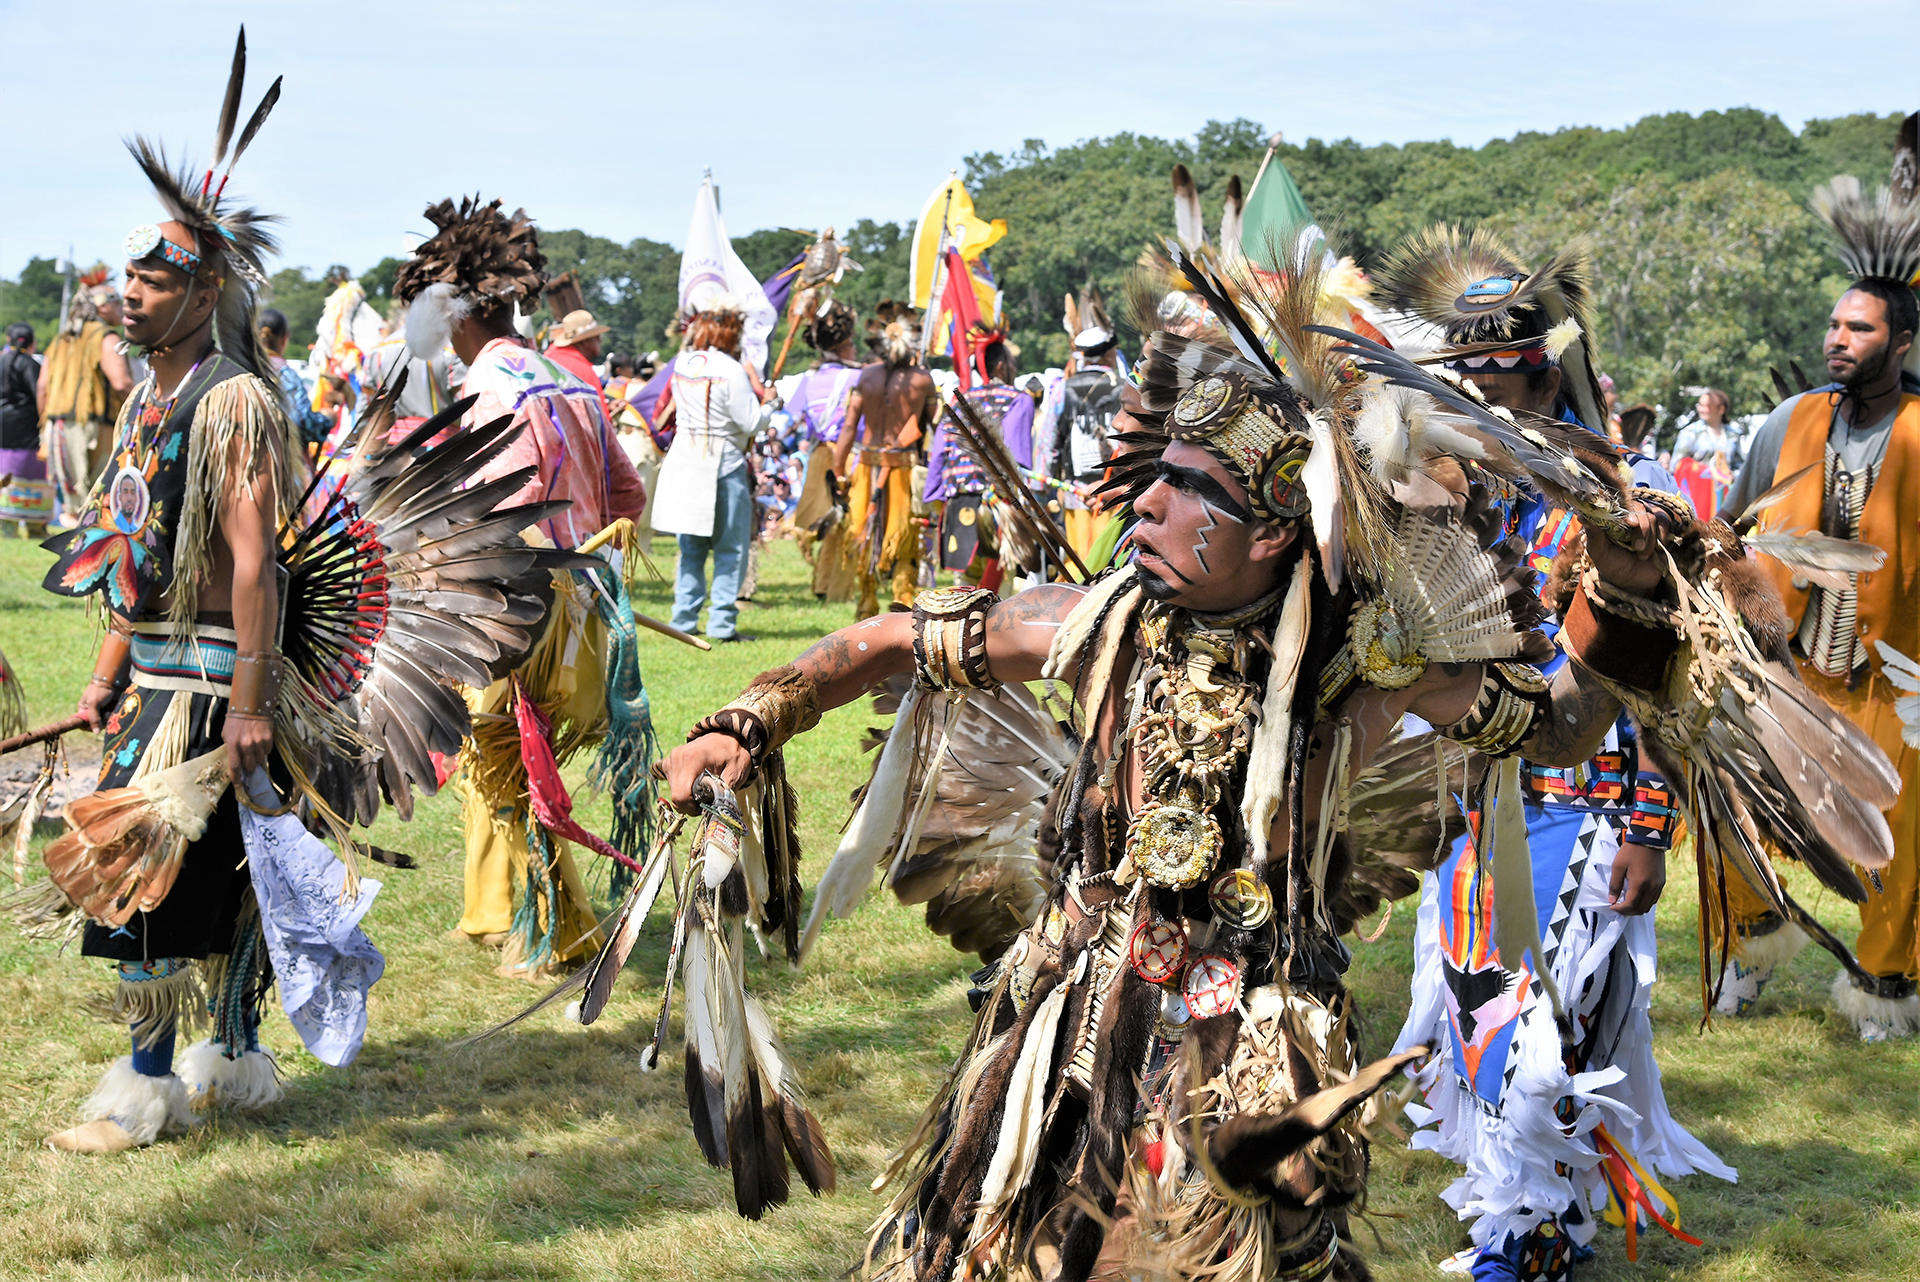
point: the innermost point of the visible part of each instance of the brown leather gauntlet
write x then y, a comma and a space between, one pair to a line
1614, 647
779, 704
256, 684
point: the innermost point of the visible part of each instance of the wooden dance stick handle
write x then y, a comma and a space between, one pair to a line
44, 733
668, 630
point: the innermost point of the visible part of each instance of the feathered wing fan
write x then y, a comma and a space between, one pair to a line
952, 815
1402, 821
974, 859
1761, 764
403, 584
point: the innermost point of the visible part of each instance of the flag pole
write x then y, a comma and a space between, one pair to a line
1273, 144
937, 285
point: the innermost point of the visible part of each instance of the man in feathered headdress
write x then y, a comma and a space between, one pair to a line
1117, 1109
461, 288
889, 411
179, 540
1599, 830
83, 382
1854, 446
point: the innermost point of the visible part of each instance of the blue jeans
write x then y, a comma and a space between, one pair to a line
732, 531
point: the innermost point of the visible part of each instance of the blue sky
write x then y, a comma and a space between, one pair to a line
811, 114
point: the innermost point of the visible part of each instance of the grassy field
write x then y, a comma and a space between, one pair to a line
547, 1154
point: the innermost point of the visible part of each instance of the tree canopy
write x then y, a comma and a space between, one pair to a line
1710, 267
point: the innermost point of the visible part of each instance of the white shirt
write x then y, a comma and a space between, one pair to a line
714, 406
714, 412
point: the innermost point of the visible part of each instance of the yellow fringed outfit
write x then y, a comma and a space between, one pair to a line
881, 538
565, 674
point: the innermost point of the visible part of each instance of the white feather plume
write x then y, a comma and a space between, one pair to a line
1321, 476
869, 837
1904, 674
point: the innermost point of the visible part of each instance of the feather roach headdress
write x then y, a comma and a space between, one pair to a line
479, 257
1879, 234
231, 243
893, 332
1499, 317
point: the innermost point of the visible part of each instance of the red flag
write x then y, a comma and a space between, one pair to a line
963, 317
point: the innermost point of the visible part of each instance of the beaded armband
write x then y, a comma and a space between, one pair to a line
1512, 697
950, 639
1651, 823
779, 704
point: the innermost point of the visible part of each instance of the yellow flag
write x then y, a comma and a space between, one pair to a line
949, 206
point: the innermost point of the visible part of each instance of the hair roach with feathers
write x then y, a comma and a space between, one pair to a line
1879, 234
233, 241
1432, 273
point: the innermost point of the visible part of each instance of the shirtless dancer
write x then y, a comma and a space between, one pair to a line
887, 413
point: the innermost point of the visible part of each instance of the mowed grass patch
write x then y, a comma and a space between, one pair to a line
546, 1153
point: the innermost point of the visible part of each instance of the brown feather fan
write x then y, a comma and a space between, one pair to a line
975, 860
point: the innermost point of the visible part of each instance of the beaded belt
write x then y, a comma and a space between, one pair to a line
200, 664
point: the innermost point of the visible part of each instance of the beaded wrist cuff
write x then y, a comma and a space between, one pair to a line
1651, 823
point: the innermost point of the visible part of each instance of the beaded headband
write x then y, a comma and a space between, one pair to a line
1221, 414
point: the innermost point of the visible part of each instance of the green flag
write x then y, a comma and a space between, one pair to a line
1276, 212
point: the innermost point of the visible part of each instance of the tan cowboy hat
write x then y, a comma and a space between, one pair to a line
573, 327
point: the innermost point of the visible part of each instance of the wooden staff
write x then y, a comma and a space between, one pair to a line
622, 530
43, 734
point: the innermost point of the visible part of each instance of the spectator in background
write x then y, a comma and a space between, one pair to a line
1612, 396
705, 494
313, 424
25, 495
83, 381
1636, 430
623, 383
1709, 452
574, 345
1711, 435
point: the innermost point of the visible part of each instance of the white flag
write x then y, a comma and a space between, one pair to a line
709, 265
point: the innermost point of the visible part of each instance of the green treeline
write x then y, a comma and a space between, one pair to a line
1710, 268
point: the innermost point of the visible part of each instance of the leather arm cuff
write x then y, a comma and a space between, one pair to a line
780, 704
256, 684
1616, 648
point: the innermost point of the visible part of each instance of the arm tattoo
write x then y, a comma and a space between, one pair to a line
1049, 604
827, 659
